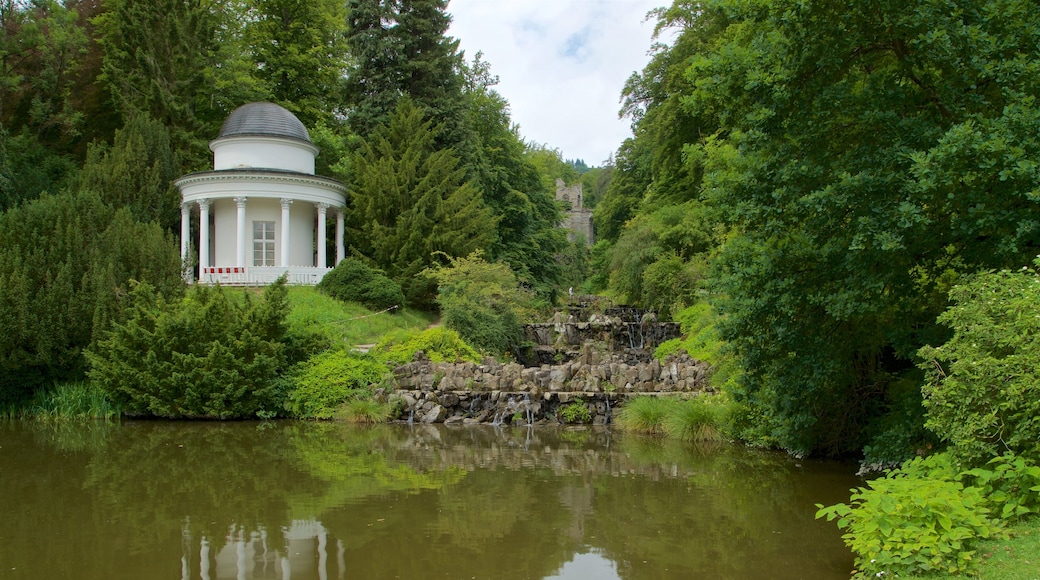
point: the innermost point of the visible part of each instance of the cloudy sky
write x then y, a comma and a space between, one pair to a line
561, 65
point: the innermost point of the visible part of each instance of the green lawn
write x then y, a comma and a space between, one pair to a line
1017, 558
348, 323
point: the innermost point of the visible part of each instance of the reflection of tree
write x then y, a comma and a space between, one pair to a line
392, 501
736, 509
152, 477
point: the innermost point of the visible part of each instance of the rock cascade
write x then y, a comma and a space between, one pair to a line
581, 366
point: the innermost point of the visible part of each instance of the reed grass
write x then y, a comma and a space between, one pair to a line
363, 410
644, 414
74, 400
700, 419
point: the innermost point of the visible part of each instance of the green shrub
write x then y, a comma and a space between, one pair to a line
916, 519
354, 281
643, 414
483, 302
439, 344
204, 357
320, 385
700, 339
1010, 484
701, 418
983, 391
575, 412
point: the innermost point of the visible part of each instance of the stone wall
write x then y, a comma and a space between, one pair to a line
498, 393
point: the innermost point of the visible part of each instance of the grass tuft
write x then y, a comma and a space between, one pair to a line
75, 400
698, 419
363, 410
644, 414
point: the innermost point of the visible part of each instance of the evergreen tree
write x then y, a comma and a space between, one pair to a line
65, 261
399, 48
137, 172
175, 60
411, 201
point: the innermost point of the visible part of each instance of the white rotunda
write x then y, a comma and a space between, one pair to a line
262, 211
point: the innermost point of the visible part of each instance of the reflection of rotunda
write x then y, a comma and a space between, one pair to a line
262, 211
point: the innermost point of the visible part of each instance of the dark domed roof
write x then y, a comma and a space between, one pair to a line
263, 119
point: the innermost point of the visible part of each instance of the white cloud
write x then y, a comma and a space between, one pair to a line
562, 64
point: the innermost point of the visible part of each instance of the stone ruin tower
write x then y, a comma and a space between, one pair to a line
577, 219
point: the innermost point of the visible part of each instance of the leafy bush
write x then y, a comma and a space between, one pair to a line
483, 302
916, 519
320, 385
1011, 485
439, 344
203, 357
354, 281
983, 391
575, 412
700, 339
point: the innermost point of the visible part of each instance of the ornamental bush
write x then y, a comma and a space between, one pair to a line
203, 357
354, 281
983, 390
320, 385
483, 302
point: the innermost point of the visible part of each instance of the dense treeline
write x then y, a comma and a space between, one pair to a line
104, 102
825, 174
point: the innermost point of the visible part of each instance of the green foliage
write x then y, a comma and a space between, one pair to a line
29, 169
643, 414
982, 393
526, 237
575, 412
913, 520
1010, 483
300, 55
411, 202
700, 339
166, 59
862, 158
202, 357
321, 384
136, 172
65, 263
440, 345
482, 302
354, 281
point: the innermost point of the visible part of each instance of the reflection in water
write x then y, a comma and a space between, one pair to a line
327, 501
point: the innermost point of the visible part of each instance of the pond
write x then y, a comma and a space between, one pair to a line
331, 501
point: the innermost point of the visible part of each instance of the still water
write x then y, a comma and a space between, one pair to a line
284, 500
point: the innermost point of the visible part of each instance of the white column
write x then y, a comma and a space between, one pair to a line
285, 232
340, 250
240, 231
185, 233
203, 235
320, 235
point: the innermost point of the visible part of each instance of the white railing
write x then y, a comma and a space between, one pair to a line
261, 275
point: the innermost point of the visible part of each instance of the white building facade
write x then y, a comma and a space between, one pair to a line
261, 211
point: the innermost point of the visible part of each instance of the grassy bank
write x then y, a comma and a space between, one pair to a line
1014, 558
348, 323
